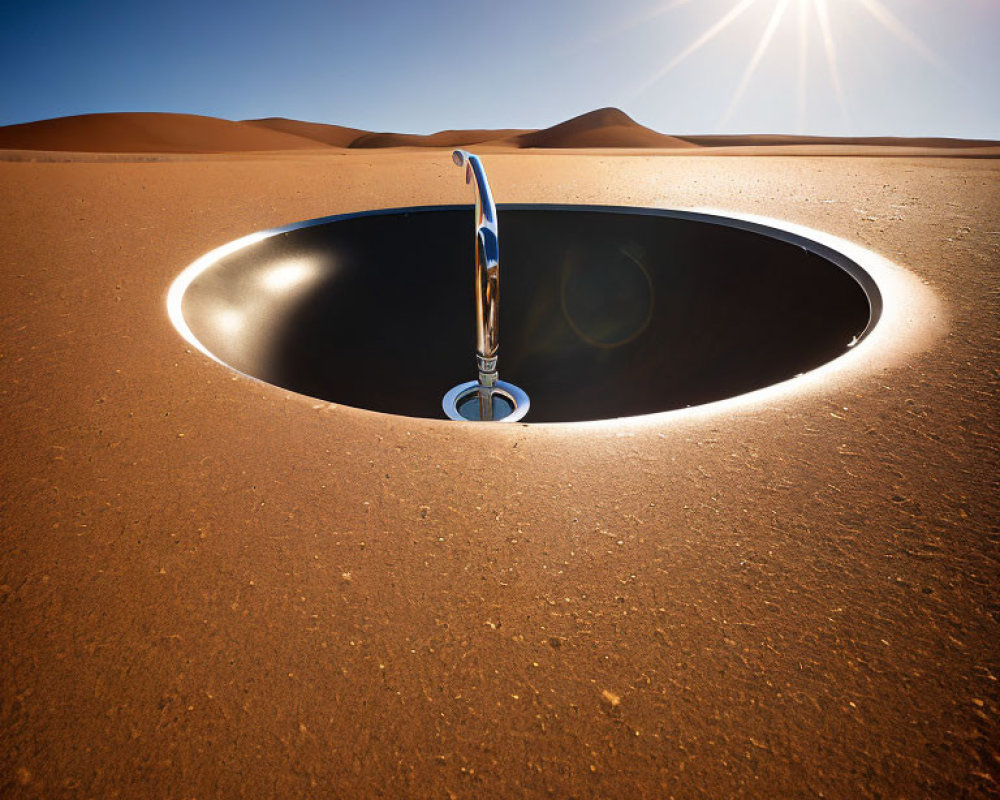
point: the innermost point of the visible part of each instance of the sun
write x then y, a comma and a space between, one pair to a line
812, 21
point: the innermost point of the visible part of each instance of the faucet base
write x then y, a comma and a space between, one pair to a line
509, 403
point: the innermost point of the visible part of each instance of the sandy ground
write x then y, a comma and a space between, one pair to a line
210, 587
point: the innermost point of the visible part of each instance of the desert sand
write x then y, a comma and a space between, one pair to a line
212, 587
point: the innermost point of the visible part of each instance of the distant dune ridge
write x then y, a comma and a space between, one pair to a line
606, 127
335, 135
154, 132
778, 140
459, 138
147, 132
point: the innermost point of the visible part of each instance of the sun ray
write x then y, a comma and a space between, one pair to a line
624, 26
823, 15
892, 24
779, 12
654, 12
803, 76
697, 44
647, 16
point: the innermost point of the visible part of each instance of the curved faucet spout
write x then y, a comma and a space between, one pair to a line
487, 270
488, 399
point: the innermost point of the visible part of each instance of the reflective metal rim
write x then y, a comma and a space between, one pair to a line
455, 395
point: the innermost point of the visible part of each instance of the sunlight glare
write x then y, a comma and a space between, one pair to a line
901, 32
803, 76
823, 15
846, 11
697, 44
779, 12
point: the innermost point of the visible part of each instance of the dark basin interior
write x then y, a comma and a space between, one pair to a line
603, 312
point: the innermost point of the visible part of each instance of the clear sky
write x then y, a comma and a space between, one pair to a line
837, 67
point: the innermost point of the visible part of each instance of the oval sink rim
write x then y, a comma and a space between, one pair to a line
832, 250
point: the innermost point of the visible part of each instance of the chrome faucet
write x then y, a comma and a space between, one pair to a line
494, 396
487, 279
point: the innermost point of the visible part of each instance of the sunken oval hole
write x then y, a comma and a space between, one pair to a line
604, 312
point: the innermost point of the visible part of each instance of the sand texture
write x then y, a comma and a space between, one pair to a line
211, 587
336, 135
463, 138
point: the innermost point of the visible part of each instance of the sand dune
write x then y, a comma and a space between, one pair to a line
148, 133
451, 138
161, 133
783, 140
336, 135
606, 127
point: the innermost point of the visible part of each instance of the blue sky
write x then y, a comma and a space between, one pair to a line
867, 67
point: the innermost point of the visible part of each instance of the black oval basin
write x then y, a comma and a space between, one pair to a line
604, 312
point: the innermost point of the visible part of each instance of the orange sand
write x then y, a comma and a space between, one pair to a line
210, 587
